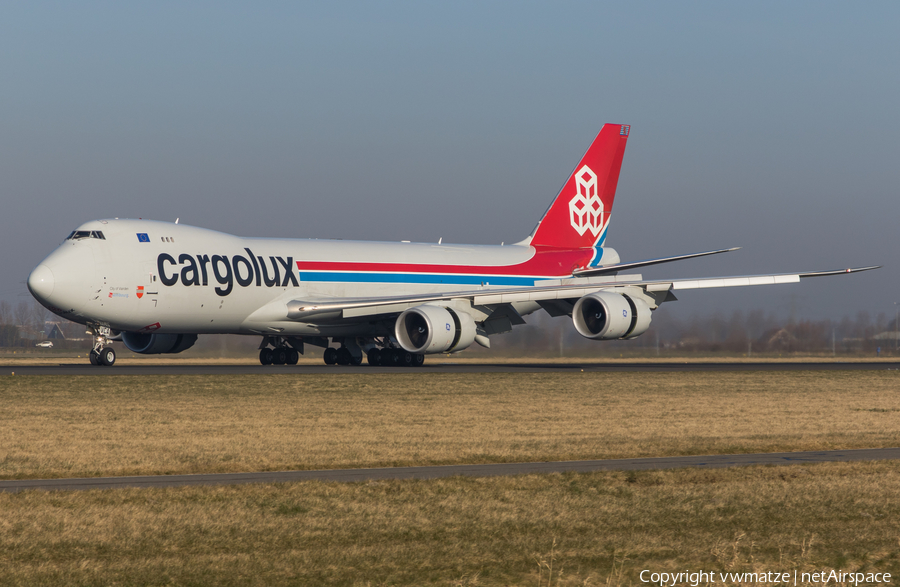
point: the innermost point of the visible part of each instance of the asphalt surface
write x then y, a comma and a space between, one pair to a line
358, 475
85, 368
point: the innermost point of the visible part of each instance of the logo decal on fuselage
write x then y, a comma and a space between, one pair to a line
196, 270
586, 208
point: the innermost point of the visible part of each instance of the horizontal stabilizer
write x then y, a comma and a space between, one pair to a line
635, 264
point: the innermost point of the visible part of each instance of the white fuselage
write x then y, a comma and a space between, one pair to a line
147, 276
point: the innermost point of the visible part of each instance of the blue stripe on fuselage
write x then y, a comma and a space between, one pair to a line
431, 278
598, 248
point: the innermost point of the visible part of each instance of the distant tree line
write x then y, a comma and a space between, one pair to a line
739, 333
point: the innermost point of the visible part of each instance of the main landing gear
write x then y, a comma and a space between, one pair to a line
341, 356
394, 357
279, 356
376, 357
285, 352
101, 354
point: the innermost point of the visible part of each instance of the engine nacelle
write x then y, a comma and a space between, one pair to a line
434, 329
155, 344
606, 316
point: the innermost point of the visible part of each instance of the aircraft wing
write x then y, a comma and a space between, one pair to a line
558, 289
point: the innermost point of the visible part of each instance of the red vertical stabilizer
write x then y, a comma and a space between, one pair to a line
579, 216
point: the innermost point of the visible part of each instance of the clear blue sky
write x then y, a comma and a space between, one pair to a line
772, 126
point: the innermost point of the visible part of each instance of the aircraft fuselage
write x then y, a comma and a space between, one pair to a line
151, 276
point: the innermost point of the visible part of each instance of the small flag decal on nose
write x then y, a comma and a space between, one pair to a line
143, 238
140, 291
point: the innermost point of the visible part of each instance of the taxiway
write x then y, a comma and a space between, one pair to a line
435, 472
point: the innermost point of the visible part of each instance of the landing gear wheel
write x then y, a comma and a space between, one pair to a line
418, 360
94, 357
343, 356
394, 357
279, 356
330, 356
107, 356
406, 358
374, 357
355, 360
265, 356
293, 357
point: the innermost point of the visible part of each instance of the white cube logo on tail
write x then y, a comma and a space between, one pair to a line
586, 208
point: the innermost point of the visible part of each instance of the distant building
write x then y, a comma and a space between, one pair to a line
53, 331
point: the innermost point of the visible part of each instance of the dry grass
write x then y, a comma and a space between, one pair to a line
554, 530
93, 426
589, 529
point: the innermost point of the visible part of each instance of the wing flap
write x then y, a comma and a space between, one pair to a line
735, 281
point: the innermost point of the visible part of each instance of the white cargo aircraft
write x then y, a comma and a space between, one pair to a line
155, 286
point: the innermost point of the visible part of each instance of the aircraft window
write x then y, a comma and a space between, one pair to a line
80, 234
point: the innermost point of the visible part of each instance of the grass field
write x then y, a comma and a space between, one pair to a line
573, 529
587, 529
139, 425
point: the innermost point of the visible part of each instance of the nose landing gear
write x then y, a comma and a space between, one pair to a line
101, 354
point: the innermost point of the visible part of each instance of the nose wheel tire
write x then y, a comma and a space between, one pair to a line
94, 357
106, 356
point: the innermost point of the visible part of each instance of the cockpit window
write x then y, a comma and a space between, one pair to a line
80, 234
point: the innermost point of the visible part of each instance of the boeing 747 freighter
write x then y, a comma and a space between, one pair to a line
155, 286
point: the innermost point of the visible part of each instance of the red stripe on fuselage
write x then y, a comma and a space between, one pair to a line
546, 262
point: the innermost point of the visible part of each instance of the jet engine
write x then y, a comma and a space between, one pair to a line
434, 329
606, 316
155, 344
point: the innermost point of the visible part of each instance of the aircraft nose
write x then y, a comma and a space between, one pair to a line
40, 282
